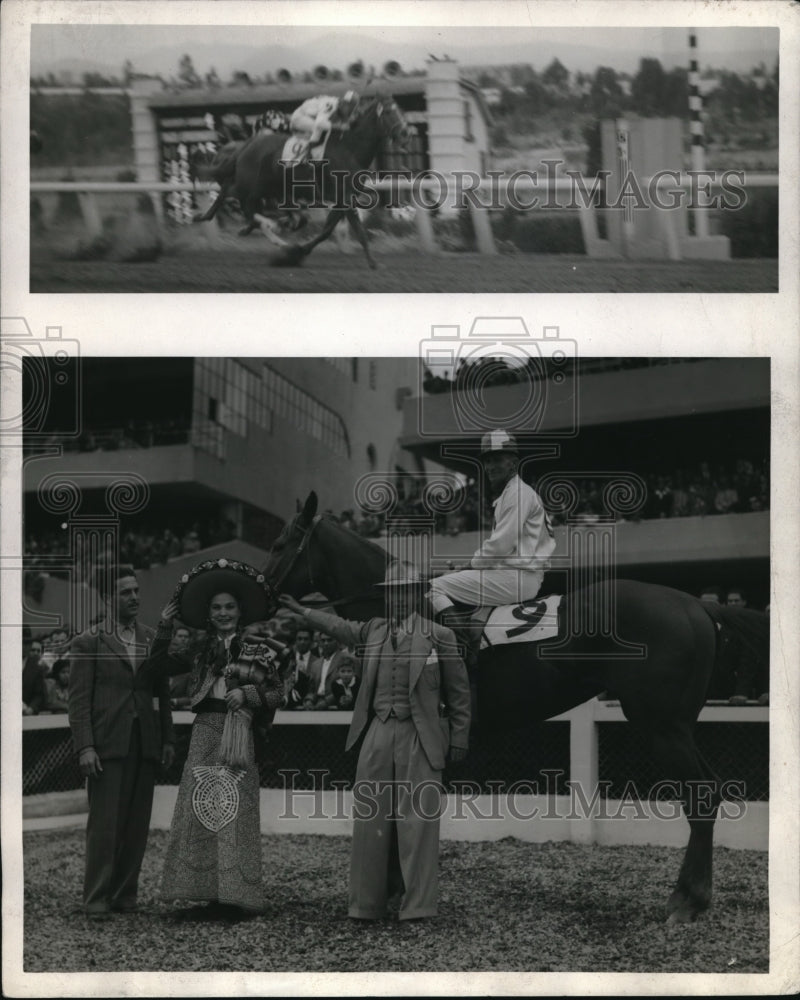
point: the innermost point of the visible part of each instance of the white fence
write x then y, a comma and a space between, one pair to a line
449, 192
530, 817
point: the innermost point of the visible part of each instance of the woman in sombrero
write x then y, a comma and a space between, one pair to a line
214, 850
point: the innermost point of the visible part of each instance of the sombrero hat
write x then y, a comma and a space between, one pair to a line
222, 576
402, 574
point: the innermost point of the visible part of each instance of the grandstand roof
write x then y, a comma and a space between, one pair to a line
297, 91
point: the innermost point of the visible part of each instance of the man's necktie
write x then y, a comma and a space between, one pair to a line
393, 636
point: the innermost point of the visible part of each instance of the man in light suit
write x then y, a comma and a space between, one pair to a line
412, 675
120, 741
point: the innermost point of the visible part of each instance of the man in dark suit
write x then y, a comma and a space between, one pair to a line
34, 690
120, 741
412, 710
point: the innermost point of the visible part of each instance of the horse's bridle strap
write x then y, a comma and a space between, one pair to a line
297, 553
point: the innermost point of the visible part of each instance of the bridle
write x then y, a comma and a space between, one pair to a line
298, 552
396, 122
275, 586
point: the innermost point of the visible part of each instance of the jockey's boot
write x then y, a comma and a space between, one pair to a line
467, 633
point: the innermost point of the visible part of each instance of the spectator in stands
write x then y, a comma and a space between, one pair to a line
662, 497
56, 648
34, 690
180, 645
191, 542
711, 593
323, 673
680, 496
344, 687
58, 688
304, 661
736, 598
726, 498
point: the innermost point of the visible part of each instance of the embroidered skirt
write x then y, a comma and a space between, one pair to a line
214, 850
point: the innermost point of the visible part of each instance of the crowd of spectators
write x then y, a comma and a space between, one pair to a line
133, 435
45, 673
738, 487
321, 675
142, 544
489, 372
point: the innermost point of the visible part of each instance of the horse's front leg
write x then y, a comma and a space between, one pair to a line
359, 231
333, 219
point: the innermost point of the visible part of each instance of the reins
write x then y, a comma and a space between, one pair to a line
275, 586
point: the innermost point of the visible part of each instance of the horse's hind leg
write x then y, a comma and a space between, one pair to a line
249, 208
214, 207
675, 750
358, 230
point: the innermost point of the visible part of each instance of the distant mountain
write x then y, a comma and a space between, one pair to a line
338, 49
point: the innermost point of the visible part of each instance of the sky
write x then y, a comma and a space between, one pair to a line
155, 49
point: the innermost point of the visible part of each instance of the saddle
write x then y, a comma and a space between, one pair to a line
479, 628
297, 149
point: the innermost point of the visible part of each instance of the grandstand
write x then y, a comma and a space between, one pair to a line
225, 447
218, 448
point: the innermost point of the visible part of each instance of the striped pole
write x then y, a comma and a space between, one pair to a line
624, 167
698, 156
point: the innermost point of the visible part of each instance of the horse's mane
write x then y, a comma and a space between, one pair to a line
365, 543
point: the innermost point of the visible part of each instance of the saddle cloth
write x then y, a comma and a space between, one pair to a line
530, 621
296, 149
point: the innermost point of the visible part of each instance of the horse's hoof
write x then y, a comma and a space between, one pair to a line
291, 257
684, 909
246, 231
373, 266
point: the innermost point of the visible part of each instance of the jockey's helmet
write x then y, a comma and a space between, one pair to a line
494, 441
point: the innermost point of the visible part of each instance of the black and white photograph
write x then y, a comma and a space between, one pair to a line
320, 492
450, 159
400, 447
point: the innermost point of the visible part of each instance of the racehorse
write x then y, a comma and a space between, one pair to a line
518, 685
221, 167
261, 177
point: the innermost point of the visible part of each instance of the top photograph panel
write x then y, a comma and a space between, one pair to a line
370, 159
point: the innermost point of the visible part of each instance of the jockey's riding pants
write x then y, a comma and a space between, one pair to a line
485, 586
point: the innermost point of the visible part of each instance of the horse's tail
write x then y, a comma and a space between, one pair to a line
750, 627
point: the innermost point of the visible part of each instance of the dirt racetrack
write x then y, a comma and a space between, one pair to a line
248, 270
505, 906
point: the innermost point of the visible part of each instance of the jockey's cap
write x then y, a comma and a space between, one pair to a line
499, 440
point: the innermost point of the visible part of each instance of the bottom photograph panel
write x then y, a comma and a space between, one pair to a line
455, 662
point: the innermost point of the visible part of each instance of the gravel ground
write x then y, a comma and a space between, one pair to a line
505, 906
248, 270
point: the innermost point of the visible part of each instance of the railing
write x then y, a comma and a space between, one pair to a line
484, 239
571, 744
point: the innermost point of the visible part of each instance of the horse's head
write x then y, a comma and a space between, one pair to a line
314, 553
289, 567
391, 123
